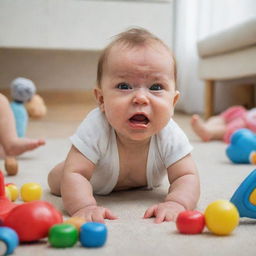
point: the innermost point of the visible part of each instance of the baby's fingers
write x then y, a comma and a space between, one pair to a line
98, 215
150, 212
160, 217
109, 215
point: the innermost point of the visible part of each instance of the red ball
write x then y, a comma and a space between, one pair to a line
190, 222
32, 220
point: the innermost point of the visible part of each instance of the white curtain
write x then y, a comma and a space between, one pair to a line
195, 19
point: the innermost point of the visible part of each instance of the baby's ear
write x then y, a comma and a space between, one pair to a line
176, 97
99, 97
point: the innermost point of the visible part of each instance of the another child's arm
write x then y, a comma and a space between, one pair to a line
183, 192
76, 189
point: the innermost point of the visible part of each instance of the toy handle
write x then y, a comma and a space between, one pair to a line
2, 187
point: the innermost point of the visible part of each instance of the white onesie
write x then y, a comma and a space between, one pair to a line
96, 140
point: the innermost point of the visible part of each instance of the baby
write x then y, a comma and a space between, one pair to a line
222, 126
130, 140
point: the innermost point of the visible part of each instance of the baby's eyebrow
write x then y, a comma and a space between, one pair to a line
155, 76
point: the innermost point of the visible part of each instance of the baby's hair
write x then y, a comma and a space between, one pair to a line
131, 38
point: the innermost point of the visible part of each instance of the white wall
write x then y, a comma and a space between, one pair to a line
56, 43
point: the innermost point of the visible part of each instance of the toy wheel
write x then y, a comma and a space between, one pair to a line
3, 248
8, 240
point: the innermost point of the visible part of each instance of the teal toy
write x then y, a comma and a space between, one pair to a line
242, 148
244, 197
22, 90
93, 234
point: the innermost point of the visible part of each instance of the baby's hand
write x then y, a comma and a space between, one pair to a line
95, 213
167, 211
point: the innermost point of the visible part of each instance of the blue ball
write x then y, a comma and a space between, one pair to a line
10, 238
93, 234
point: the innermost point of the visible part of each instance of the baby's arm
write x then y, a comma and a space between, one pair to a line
76, 189
183, 192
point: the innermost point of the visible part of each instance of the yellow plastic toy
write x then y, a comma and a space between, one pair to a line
14, 191
221, 217
31, 191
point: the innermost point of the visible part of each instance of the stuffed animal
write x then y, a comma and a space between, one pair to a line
22, 90
242, 148
25, 102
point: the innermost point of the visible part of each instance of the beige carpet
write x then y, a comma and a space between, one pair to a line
132, 235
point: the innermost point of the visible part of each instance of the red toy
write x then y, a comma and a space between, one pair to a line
31, 221
5, 204
190, 222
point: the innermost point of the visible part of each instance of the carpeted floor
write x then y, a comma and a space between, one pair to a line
132, 235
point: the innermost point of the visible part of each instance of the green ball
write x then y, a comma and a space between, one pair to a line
63, 235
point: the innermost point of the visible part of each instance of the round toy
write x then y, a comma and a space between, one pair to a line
14, 191
75, 221
93, 234
22, 89
11, 165
190, 222
32, 220
63, 235
221, 217
8, 193
31, 191
9, 240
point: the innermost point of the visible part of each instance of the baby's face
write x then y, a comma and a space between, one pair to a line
138, 90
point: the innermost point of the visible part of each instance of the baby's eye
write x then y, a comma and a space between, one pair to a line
156, 87
124, 86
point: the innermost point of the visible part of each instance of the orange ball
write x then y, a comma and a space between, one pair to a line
75, 221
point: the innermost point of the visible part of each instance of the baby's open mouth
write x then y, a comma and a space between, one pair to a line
139, 119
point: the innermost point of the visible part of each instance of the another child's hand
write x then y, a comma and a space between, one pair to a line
95, 213
167, 211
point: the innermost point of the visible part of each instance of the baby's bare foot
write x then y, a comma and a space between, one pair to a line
200, 128
21, 145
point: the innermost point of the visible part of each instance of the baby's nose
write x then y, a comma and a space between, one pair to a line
140, 97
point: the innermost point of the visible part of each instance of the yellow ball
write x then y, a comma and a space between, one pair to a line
221, 217
14, 191
31, 191
8, 193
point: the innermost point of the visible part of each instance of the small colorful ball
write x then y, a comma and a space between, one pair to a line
190, 222
76, 221
13, 190
31, 191
221, 217
93, 234
63, 235
8, 193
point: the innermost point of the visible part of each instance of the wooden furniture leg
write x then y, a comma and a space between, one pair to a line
209, 99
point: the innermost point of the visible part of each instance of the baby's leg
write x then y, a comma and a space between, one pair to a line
12, 144
213, 129
54, 178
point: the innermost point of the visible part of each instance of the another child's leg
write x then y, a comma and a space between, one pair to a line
213, 129
11, 143
54, 178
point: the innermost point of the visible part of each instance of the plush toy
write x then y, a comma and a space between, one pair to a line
24, 103
22, 90
242, 148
